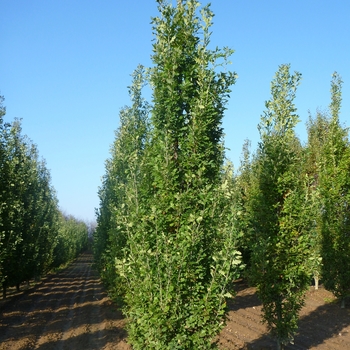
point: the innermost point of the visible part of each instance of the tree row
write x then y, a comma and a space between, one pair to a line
176, 225
34, 235
294, 202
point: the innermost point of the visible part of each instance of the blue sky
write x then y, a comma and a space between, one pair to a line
65, 67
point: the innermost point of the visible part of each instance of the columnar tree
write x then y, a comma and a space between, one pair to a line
318, 133
244, 183
37, 219
45, 223
335, 194
180, 254
15, 167
2, 183
280, 212
119, 192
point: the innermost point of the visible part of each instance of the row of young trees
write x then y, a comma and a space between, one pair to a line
295, 206
34, 235
173, 217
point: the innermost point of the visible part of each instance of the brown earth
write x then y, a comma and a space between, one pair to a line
71, 310
322, 325
67, 311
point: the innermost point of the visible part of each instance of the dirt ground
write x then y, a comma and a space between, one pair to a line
71, 310
322, 325
66, 311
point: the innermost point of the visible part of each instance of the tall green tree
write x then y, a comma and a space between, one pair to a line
43, 223
244, 183
180, 255
280, 258
2, 183
318, 133
119, 192
14, 186
335, 194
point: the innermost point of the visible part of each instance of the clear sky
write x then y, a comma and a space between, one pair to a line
65, 66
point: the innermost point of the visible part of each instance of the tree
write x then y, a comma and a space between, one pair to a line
13, 182
119, 192
318, 133
244, 183
2, 183
281, 224
44, 223
335, 195
180, 254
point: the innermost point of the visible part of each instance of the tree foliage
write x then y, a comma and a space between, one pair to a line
119, 192
181, 253
335, 193
171, 215
29, 225
280, 212
71, 239
173, 231
317, 129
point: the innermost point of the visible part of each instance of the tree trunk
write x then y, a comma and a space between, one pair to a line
316, 282
279, 319
342, 305
4, 291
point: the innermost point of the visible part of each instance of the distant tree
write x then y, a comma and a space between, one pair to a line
335, 194
318, 133
72, 239
243, 185
280, 257
3, 168
2, 108
91, 232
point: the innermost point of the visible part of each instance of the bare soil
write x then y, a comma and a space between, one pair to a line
71, 310
66, 311
322, 325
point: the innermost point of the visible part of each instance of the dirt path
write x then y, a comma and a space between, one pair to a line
70, 310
